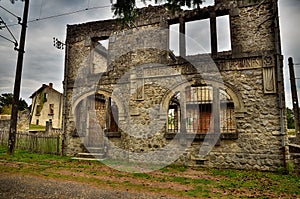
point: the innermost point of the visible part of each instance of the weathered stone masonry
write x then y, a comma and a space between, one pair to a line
127, 106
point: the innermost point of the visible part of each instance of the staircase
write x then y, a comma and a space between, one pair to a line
91, 153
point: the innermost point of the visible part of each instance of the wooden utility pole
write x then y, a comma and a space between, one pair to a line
295, 100
17, 85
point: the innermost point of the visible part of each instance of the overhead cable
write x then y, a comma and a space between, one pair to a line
63, 14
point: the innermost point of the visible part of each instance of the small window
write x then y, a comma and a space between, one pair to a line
38, 110
51, 109
37, 122
45, 97
99, 55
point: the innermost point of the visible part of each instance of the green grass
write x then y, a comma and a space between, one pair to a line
177, 181
291, 132
276, 182
142, 175
35, 127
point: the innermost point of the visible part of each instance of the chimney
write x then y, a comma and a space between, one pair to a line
51, 85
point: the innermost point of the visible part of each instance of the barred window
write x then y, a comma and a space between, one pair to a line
198, 112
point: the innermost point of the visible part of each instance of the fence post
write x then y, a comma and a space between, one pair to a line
57, 145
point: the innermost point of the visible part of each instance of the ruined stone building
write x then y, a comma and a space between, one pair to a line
129, 97
47, 105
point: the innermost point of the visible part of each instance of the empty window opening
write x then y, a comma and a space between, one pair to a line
174, 114
104, 43
223, 33
174, 39
99, 56
38, 110
45, 97
198, 37
51, 109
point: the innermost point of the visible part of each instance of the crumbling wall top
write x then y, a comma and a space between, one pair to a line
160, 15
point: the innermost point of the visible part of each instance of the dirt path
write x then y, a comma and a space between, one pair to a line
21, 186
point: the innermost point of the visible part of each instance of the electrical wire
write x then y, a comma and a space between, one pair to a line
7, 39
11, 34
63, 14
10, 12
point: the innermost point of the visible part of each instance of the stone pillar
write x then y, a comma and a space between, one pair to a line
183, 117
216, 115
213, 34
176, 117
108, 113
182, 42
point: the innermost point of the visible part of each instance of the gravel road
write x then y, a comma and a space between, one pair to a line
19, 186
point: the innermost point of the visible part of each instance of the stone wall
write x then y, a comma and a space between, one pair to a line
141, 79
5, 123
22, 125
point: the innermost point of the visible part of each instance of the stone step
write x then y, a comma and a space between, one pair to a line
91, 155
95, 149
86, 159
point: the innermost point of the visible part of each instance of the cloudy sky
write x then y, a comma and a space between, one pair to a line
43, 63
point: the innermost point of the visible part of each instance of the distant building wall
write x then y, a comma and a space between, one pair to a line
47, 106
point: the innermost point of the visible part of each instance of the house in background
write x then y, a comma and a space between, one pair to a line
47, 104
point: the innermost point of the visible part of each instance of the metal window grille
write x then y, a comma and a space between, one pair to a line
199, 117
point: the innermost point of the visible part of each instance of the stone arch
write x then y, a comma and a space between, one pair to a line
233, 94
100, 91
236, 97
106, 94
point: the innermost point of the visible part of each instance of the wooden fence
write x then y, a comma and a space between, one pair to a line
34, 143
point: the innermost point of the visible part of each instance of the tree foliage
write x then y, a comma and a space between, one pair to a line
125, 9
6, 103
290, 118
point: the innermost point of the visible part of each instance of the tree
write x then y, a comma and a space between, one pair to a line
290, 118
6, 103
125, 9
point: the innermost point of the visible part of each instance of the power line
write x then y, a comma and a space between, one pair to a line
3, 25
7, 39
19, 18
63, 14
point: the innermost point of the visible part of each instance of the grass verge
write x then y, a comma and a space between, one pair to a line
176, 181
